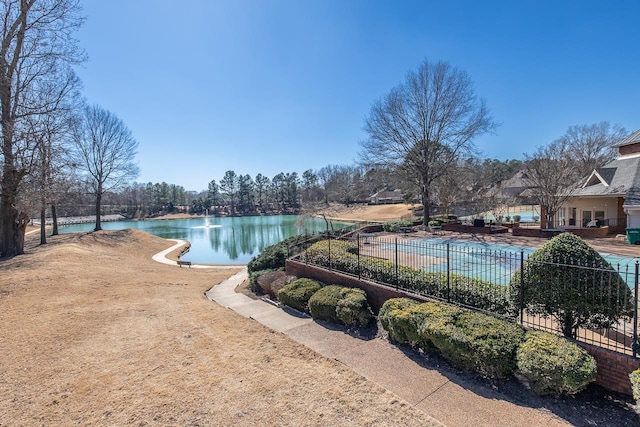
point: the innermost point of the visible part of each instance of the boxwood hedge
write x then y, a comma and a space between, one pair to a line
338, 304
553, 365
297, 293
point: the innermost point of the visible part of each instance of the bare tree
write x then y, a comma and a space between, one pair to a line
105, 149
426, 124
551, 178
449, 188
591, 146
36, 48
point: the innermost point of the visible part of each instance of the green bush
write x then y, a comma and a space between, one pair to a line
435, 316
394, 226
554, 285
337, 304
353, 309
297, 293
634, 377
322, 305
273, 257
479, 343
340, 255
553, 365
394, 318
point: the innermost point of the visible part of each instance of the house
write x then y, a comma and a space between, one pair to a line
610, 196
385, 196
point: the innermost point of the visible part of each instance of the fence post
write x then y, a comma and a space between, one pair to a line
329, 237
397, 284
358, 237
521, 290
448, 274
634, 345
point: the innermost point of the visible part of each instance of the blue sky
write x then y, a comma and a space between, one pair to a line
261, 86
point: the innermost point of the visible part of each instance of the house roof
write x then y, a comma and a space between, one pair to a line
620, 177
631, 139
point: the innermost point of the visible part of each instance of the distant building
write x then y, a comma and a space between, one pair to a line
386, 197
610, 196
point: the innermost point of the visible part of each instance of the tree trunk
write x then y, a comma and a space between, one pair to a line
54, 220
9, 230
98, 209
425, 205
43, 225
568, 328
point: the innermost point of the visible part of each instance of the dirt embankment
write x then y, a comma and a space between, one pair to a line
92, 331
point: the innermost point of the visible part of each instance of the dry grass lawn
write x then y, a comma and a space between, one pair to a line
93, 332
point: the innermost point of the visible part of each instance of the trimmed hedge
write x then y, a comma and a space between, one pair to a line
634, 377
595, 296
322, 304
553, 365
396, 319
353, 309
273, 257
297, 293
342, 256
394, 226
479, 343
467, 339
347, 306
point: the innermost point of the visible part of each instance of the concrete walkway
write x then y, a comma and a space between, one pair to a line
448, 398
161, 257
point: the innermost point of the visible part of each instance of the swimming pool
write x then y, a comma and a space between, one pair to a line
492, 262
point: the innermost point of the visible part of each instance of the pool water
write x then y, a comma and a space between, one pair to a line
494, 262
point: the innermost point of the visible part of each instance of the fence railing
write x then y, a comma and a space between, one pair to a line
596, 304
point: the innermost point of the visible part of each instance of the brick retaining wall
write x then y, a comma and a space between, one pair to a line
613, 368
376, 294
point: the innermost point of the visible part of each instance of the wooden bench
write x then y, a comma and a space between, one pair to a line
181, 263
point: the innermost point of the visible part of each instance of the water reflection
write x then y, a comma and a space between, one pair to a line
220, 240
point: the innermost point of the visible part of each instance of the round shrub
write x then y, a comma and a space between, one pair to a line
297, 293
634, 377
395, 319
434, 317
553, 286
353, 309
553, 365
322, 305
480, 343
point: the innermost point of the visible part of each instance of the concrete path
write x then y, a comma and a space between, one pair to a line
161, 257
450, 399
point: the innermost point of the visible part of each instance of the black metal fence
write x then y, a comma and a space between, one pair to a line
595, 304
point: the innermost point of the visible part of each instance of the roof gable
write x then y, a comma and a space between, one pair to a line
616, 178
631, 139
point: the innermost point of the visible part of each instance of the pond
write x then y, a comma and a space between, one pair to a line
225, 240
